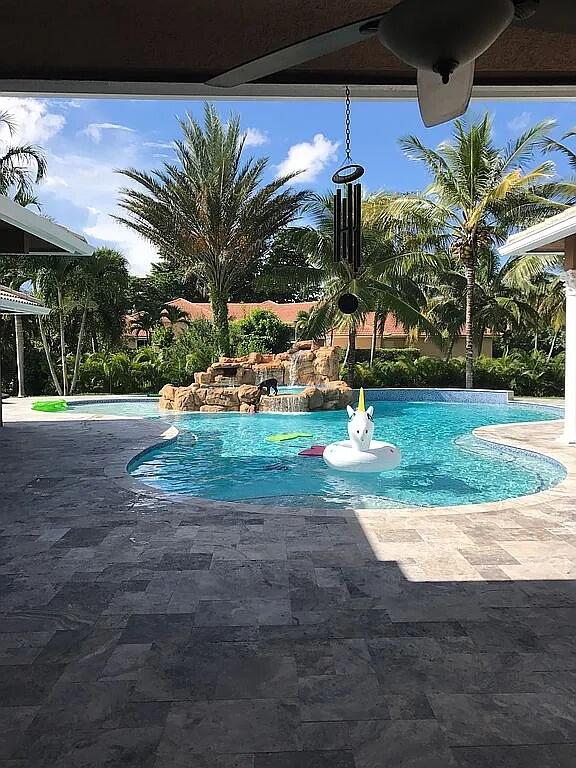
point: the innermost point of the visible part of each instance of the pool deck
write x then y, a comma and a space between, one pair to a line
144, 630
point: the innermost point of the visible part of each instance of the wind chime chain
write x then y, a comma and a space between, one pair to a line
348, 154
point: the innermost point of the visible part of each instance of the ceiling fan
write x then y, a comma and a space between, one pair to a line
440, 38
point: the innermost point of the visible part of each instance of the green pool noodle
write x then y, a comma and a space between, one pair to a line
50, 406
287, 436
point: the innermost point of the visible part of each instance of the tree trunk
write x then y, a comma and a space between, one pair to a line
450, 348
351, 354
536, 341
552, 345
49, 360
19, 332
219, 303
374, 338
62, 344
79, 348
470, 284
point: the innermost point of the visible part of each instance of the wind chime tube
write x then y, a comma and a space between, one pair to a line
349, 225
357, 226
337, 225
343, 233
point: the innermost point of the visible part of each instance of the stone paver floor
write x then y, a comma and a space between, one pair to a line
142, 631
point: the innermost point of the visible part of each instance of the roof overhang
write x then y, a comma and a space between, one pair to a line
547, 237
18, 303
101, 48
25, 233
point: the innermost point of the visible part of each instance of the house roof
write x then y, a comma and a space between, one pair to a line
18, 303
175, 51
286, 312
23, 232
546, 237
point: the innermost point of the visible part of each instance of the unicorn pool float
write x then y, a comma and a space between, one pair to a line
361, 453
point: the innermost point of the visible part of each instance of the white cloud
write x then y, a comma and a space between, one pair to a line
94, 130
310, 157
91, 185
519, 123
158, 144
254, 138
139, 253
34, 120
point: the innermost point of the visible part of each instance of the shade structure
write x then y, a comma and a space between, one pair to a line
172, 49
557, 234
17, 303
23, 232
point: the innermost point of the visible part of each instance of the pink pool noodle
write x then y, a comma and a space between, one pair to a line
315, 450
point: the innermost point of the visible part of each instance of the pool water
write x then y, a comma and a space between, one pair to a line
227, 457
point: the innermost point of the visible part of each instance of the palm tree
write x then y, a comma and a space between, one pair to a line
383, 282
478, 194
52, 282
210, 210
172, 317
21, 167
142, 321
100, 280
501, 304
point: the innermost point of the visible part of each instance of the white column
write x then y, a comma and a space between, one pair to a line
570, 368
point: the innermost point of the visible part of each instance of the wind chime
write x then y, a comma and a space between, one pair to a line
347, 234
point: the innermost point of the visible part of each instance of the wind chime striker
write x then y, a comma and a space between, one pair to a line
347, 206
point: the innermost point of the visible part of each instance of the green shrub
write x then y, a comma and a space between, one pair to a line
527, 374
260, 331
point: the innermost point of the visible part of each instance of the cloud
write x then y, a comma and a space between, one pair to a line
90, 185
34, 120
94, 130
254, 138
159, 144
139, 253
519, 123
309, 157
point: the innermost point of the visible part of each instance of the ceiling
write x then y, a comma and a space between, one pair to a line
172, 47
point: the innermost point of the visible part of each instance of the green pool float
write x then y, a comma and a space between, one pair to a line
50, 406
287, 436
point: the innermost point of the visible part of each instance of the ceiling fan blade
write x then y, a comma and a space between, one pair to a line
440, 102
292, 55
551, 16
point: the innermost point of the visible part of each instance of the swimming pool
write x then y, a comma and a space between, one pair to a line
226, 456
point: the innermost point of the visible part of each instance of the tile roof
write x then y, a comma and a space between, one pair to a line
16, 303
286, 312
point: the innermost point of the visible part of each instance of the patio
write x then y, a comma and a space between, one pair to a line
138, 629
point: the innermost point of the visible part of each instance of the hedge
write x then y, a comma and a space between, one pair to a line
524, 373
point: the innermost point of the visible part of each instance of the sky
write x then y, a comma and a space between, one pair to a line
88, 140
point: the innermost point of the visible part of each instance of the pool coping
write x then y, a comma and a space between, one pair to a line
540, 437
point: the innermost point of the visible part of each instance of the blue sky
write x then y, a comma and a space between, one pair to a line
86, 140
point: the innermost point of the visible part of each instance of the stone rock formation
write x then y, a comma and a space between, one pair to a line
304, 363
231, 383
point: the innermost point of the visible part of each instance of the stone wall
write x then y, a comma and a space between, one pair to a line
215, 399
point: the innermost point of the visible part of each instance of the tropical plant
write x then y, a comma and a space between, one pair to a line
478, 194
260, 331
100, 282
142, 321
21, 166
501, 305
52, 282
210, 210
383, 282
